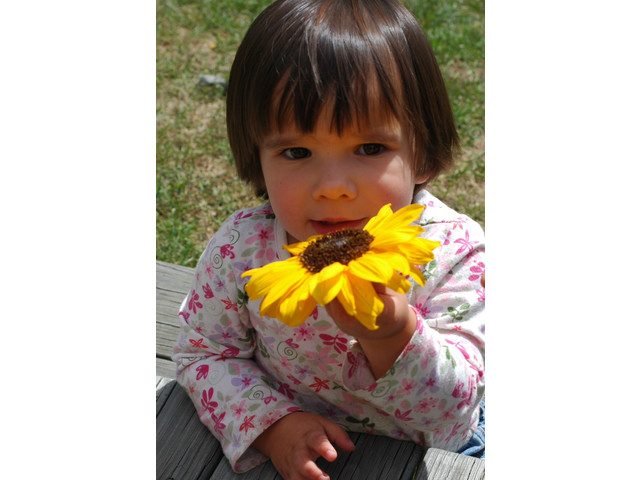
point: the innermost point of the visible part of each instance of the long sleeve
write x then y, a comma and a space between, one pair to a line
437, 383
215, 359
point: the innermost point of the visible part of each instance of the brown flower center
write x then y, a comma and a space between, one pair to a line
341, 246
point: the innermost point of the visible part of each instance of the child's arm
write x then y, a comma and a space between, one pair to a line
428, 373
383, 346
234, 397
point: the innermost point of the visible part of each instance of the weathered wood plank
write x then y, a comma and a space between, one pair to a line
172, 285
442, 465
173, 277
185, 449
161, 381
165, 368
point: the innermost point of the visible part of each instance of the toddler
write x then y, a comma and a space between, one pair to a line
336, 108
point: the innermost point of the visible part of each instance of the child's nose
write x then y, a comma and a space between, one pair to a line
334, 182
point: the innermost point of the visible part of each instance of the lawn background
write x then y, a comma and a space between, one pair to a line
196, 184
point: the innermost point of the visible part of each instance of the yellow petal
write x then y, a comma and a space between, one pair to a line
283, 286
373, 223
328, 283
297, 307
399, 283
417, 275
346, 298
368, 321
395, 261
399, 219
372, 268
368, 305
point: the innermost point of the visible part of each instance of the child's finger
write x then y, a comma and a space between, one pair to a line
339, 436
307, 467
319, 443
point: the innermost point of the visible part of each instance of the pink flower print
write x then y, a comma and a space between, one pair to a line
446, 240
243, 382
304, 332
404, 416
222, 334
448, 415
407, 387
227, 251
319, 385
207, 400
454, 432
209, 269
203, 372
218, 426
355, 362
477, 270
294, 380
208, 293
229, 305
242, 267
263, 235
194, 304
426, 404
422, 309
247, 424
466, 243
301, 371
219, 285
237, 409
459, 347
285, 389
431, 383
464, 395
186, 316
458, 223
198, 343
480, 293
240, 216
230, 352
338, 343
324, 359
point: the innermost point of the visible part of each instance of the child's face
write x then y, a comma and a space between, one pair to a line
321, 182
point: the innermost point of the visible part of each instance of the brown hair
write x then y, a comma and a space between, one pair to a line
309, 52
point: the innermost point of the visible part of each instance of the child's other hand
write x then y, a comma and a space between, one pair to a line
294, 443
396, 323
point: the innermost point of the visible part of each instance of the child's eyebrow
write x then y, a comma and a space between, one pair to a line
373, 136
380, 136
276, 142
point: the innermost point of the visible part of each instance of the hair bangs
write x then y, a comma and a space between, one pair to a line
342, 68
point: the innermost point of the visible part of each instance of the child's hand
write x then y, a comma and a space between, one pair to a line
397, 323
294, 443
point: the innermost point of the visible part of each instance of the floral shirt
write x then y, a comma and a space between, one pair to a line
244, 372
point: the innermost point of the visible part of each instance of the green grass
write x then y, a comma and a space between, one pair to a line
196, 184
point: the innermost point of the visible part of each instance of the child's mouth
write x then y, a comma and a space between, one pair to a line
322, 227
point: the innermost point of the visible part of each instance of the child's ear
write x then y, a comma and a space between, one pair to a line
422, 179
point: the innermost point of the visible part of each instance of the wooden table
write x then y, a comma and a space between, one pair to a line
186, 450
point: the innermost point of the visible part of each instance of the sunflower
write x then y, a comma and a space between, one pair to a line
343, 265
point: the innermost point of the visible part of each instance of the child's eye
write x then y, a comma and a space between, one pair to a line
370, 149
296, 153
